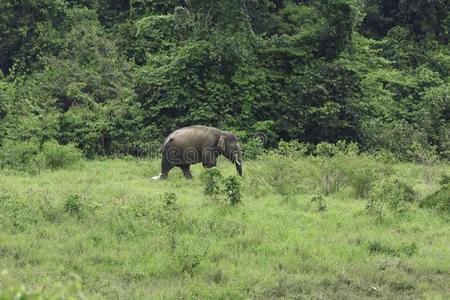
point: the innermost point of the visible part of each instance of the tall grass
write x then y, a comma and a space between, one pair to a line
126, 237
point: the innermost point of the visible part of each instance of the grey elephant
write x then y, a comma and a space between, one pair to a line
198, 144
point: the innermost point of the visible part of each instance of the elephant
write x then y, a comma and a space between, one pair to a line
198, 144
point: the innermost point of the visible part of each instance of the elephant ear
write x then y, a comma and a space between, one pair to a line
222, 143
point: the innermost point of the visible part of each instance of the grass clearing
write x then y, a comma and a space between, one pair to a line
105, 229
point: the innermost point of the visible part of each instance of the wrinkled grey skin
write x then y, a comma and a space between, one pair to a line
198, 144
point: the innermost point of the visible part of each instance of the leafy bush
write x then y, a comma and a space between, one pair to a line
187, 256
282, 174
440, 200
329, 174
70, 289
170, 218
211, 179
28, 156
341, 147
319, 202
20, 155
58, 156
403, 140
337, 167
445, 181
293, 149
422, 154
253, 148
73, 204
391, 193
377, 247
363, 170
232, 190
169, 201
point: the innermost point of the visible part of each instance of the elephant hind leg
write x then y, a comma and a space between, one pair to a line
186, 171
165, 168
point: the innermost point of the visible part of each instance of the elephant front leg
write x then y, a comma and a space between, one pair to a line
209, 158
186, 171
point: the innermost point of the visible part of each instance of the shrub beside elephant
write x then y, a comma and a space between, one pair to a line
198, 144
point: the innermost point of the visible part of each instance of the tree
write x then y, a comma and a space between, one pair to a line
21, 25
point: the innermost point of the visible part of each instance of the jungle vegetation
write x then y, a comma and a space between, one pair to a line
114, 77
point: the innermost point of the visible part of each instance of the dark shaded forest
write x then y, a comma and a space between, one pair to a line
114, 77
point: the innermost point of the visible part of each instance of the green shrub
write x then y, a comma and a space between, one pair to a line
58, 156
377, 247
363, 170
329, 174
319, 202
439, 201
341, 147
444, 181
385, 157
282, 174
170, 218
420, 153
336, 165
253, 148
391, 193
70, 289
403, 140
73, 204
187, 256
27, 155
20, 156
232, 190
211, 179
169, 201
293, 149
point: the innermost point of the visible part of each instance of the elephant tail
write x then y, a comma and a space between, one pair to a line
166, 142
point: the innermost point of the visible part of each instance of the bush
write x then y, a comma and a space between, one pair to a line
232, 190
293, 149
439, 201
56, 156
169, 201
210, 179
253, 148
391, 193
340, 148
422, 154
329, 174
319, 202
27, 155
363, 171
282, 174
402, 139
20, 156
73, 204
70, 289
336, 165
445, 181
406, 249
170, 218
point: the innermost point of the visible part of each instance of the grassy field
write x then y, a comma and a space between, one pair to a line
107, 225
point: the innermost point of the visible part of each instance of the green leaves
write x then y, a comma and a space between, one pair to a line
113, 76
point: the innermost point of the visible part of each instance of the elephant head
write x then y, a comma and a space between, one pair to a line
229, 147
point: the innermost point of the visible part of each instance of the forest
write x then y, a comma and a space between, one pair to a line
342, 110
115, 77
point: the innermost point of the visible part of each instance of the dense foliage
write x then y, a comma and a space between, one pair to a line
114, 77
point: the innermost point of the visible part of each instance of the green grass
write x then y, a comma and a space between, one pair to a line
107, 223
